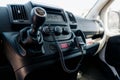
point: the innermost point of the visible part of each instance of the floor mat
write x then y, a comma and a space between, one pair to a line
92, 71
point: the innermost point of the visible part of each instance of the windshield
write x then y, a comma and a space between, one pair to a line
78, 7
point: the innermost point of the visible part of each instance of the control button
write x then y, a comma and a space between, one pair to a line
46, 30
66, 31
64, 45
52, 47
58, 30
72, 45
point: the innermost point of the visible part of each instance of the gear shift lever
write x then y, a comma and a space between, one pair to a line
29, 35
38, 16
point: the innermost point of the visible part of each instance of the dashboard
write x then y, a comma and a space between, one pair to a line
15, 17
18, 16
65, 25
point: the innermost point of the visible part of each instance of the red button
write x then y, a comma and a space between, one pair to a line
64, 45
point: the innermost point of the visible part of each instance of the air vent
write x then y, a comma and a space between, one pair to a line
52, 10
49, 8
71, 17
73, 26
18, 12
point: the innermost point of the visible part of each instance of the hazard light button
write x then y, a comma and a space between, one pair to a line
64, 45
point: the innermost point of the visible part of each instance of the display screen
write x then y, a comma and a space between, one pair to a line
55, 18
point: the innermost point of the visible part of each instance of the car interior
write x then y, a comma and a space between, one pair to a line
43, 42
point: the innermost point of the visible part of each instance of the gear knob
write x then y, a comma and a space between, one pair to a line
38, 16
29, 35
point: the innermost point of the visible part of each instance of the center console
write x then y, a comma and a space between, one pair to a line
47, 45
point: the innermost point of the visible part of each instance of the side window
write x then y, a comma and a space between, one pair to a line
114, 18
114, 21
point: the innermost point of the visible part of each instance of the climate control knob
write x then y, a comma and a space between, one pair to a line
58, 30
46, 31
66, 31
